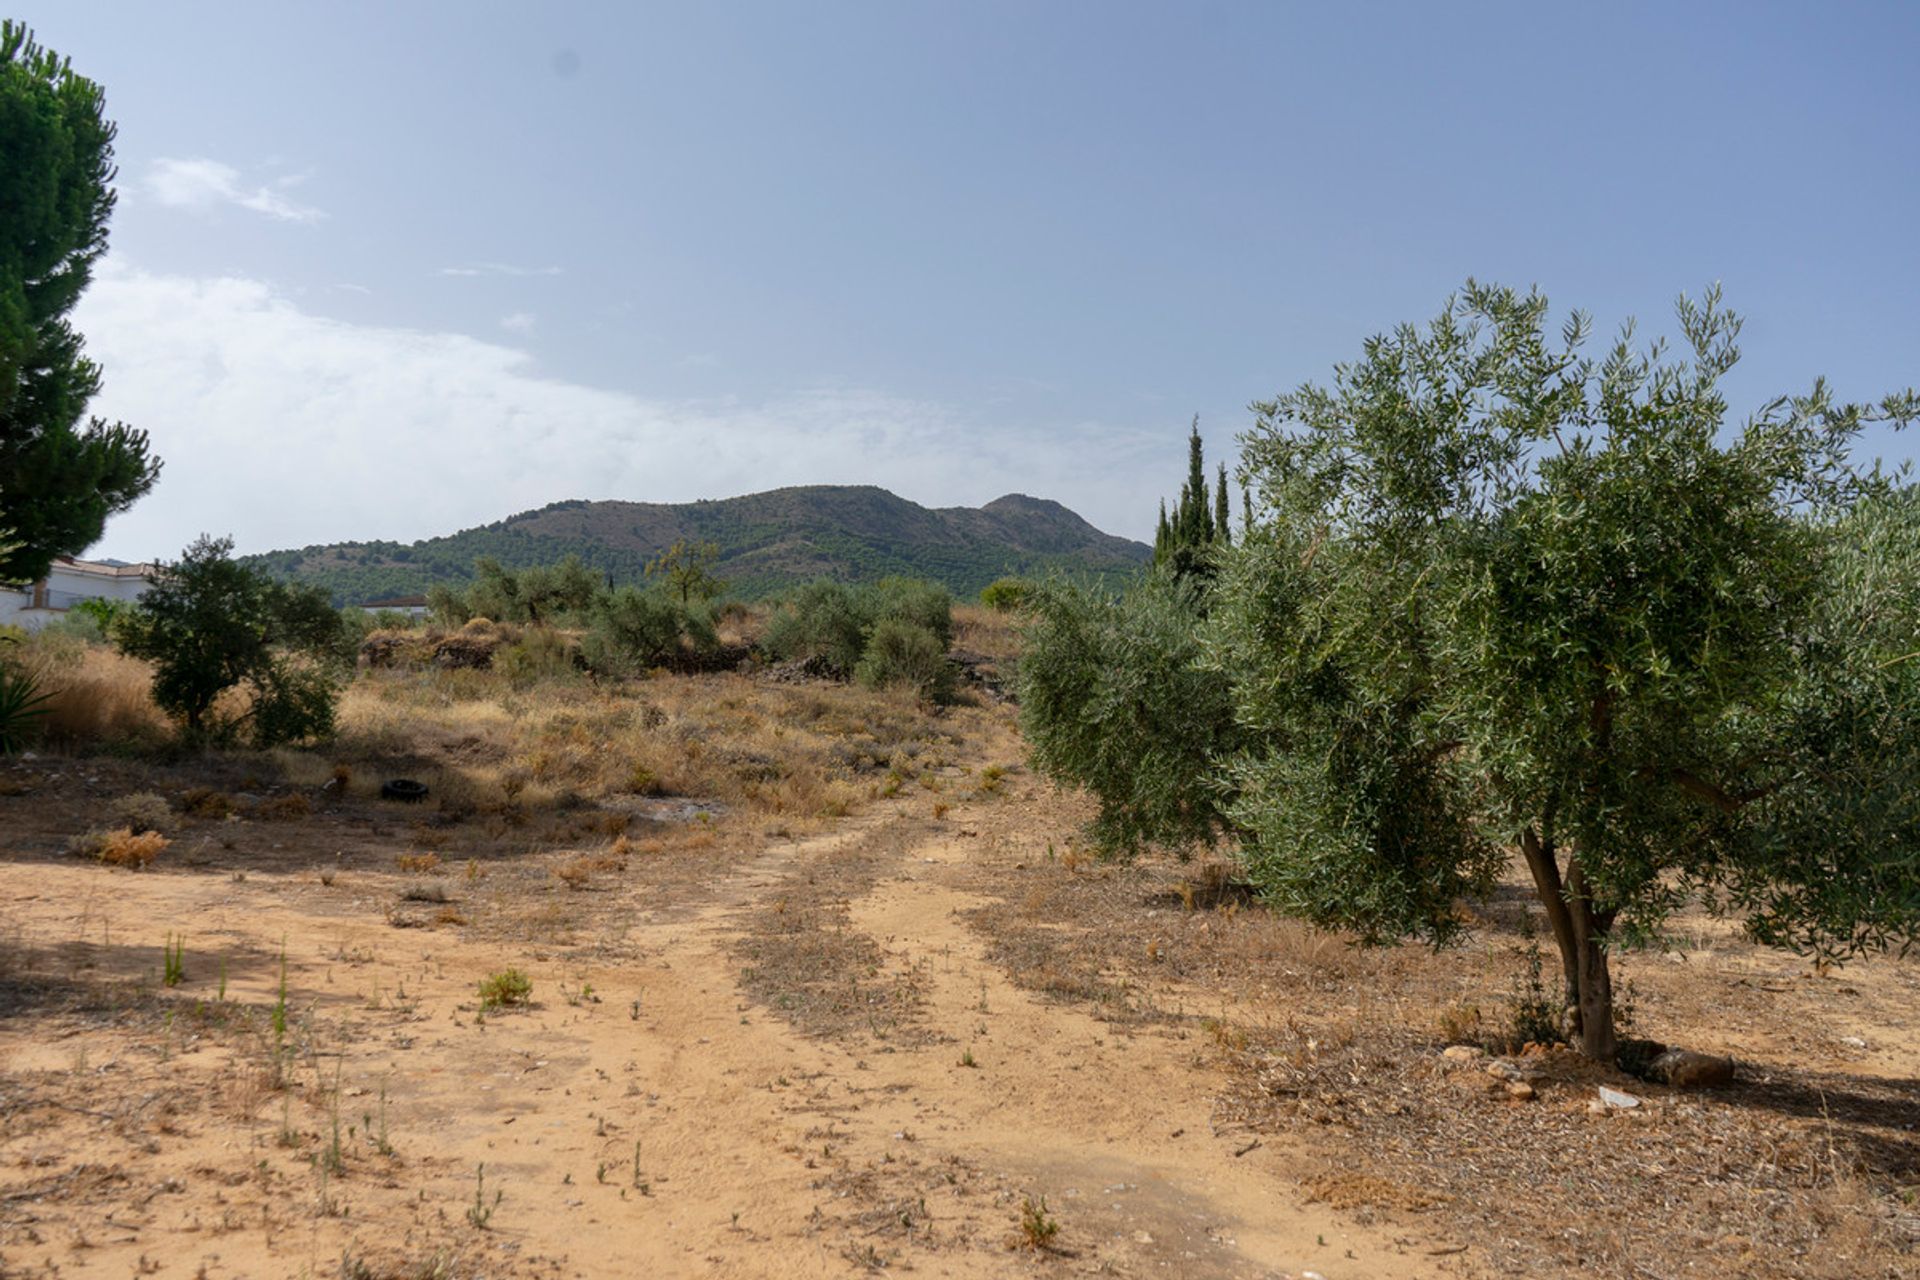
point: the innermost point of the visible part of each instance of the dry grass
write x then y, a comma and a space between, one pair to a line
800, 754
990, 633
96, 697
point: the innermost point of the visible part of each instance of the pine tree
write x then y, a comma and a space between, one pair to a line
61, 475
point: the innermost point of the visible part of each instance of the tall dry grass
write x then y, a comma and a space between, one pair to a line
96, 697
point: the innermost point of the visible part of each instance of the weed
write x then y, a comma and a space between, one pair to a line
504, 989
1037, 1227
967, 1059
173, 960
1533, 1018
418, 863
480, 1212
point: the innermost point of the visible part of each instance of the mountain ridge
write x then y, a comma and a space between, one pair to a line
768, 541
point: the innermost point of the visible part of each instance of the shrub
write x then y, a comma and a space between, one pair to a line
821, 622
1006, 594
541, 654
505, 988
900, 653
831, 623
210, 624
1114, 698
924, 604
634, 630
119, 847
141, 811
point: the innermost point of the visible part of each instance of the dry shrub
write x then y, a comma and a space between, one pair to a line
578, 871
206, 802
120, 847
141, 811
284, 808
990, 633
418, 863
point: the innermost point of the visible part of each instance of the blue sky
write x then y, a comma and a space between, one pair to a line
390, 270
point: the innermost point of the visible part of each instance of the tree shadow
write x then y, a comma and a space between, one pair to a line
1878, 1116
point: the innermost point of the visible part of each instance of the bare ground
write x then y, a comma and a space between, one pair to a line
908, 1039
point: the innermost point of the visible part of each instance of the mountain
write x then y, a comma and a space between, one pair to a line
768, 541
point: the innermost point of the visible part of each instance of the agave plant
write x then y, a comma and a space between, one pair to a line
21, 705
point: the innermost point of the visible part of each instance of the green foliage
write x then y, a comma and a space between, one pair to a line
686, 570
1184, 541
21, 703
541, 654
904, 653
103, 614
833, 624
536, 594
633, 631
825, 622
506, 988
1114, 697
1511, 595
60, 477
210, 625
1006, 594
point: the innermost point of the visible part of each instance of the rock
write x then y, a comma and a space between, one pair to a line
1462, 1053
1520, 1091
1684, 1069
1616, 1100
1595, 1107
1853, 1042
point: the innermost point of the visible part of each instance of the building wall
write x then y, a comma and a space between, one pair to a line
66, 584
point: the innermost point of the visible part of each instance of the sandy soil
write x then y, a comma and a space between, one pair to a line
911, 1042
641, 1116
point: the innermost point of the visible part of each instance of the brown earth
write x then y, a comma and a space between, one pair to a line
909, 1038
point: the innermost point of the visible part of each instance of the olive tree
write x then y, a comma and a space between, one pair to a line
1114, 698
1506, 596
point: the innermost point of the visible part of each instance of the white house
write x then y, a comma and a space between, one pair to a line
412, 606
68, 582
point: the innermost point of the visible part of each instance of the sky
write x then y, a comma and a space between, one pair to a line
391, 270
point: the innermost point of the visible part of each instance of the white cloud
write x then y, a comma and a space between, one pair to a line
286, 428
204, 184
518, 322
498, 269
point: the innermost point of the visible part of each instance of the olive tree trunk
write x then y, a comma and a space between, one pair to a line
1580, 932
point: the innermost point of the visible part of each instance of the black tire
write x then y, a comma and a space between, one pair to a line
405, 790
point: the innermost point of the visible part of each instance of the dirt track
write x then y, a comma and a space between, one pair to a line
657, 1123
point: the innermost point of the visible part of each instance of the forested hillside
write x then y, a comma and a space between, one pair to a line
767, 541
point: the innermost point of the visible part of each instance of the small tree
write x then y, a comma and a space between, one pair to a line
686, 568
1510, 597
209, 625
634, 630
60, 478
1113, 698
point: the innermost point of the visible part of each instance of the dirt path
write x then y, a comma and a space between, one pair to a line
640, 1118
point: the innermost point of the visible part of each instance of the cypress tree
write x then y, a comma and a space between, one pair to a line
1222, 523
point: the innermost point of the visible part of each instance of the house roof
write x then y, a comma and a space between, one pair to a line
106, 568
